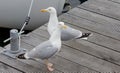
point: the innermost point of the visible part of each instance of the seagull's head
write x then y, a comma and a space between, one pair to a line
62, 25
51, 10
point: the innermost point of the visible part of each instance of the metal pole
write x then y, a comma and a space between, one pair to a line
14, 49
14, 42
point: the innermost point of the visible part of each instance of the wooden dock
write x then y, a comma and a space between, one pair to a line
100, 53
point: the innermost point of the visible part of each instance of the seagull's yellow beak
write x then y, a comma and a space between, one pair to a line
43, 10
64, 26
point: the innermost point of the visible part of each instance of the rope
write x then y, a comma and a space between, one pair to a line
27, 18
26, 22
30, 8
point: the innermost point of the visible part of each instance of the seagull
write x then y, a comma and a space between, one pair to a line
69, 33
46, 49
53, 20
66, 34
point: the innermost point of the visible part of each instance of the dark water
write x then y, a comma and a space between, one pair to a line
4, 34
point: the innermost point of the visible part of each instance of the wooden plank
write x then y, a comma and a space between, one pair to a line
62, 64
36, 40
101, 36
115, 1
7, 69
103, 7
36, 64
71, 67
83, 58
23, 67
88, 47
19, 65
103, 22
89, 61
111, 31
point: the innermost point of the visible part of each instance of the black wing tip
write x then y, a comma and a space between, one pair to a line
21, 56
85, 35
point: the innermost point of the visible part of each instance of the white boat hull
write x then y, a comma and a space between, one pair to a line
14, 12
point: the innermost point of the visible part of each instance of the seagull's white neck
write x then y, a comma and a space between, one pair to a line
56, 37
53, 17
53, 22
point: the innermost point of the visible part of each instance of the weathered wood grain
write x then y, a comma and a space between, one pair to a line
101, 36
71, 67
102, 29
21, 66
88, 47
103, 7
32, 63
68, 55
7, 69
103, 22
115, 1
65, 68
62, 64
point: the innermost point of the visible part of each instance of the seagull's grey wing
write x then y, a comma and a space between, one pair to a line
43, 51
69, 33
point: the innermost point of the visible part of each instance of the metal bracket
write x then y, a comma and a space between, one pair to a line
14, 49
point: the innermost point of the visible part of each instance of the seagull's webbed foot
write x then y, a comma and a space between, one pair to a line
49, 65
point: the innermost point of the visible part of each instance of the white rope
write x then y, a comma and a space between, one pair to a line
27, 16
7, 40
25, 23
30, 8
22, 28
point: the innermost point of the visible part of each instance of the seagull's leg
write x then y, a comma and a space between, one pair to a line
49, 65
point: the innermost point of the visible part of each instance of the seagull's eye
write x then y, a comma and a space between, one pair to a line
49, 9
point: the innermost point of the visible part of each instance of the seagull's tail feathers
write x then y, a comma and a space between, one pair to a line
85, 36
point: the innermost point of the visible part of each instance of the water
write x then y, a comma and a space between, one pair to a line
4, 32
